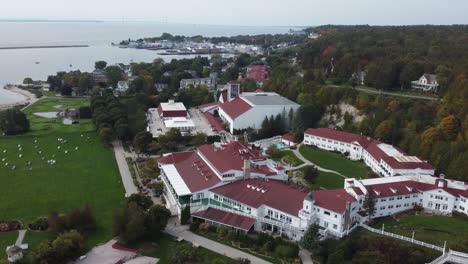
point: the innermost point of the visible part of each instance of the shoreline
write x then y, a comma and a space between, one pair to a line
29, 98
45, 47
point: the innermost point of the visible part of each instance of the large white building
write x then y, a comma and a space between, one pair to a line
248, 110
427, 82
234, 186
384, 159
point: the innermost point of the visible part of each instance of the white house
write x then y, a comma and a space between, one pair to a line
427, 82
122, 86
248, 110
14, 253
210, 83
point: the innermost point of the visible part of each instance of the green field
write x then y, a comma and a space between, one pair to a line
289, 157
334, 161
166, 247
84, 172
431, 229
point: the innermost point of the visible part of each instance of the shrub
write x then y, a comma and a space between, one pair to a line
194, 226
40, 224
287, 251
204, 227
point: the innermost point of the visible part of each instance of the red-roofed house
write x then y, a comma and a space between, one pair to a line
258, 73
288, 140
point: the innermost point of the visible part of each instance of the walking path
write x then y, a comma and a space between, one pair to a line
304, 254
183, 232
309, 163
20, 238
127, 179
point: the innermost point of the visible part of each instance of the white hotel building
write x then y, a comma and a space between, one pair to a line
384, 159
234, 186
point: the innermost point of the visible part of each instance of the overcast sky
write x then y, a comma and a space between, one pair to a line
245, 12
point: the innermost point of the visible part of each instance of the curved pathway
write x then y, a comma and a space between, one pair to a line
309, 163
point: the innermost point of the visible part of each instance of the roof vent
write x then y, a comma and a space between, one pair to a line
377, 192
264, 190
259, 189
248, 185
393, 190
409, 188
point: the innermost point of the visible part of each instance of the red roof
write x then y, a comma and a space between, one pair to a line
225, 96
278, 195
176, 113
226, 218
196, 174
289, 138
234, 82
235, 108
228, 156
208, 105
333, 200
215, 122
258, 73
342, 136
358, 191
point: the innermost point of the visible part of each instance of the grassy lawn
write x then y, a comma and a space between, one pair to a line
431, 229
334, 161
325, 180
289, 157
7, 239
84, 172
167, 247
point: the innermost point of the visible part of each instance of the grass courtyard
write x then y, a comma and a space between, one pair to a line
289, 157
84, 172
431, 229
325, 180
334, 161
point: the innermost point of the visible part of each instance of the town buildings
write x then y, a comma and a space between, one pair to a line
258, 73
426, 83
167, 116
384, 159
209, 82
172, 109
235, 186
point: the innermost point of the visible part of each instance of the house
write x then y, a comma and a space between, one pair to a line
14, 253
122, 86
171, 110
288, 140
99, 76
210, 83
384, 159
258, 73
248, 110
427, 83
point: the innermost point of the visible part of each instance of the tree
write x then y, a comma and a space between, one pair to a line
85, 112
311, 174
156, 219
142, 140
311, 238
307, 116
13, 122
100, 65
28, 80
273, 152
114, 74
64, 248
198, 139
141, 200
369, 202
384, 131
129, 222
185, 215
106, 135
85, 82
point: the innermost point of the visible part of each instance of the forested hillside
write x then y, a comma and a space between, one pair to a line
391, 57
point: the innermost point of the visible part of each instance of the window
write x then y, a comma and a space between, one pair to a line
437, 206
326, 212
335, 226
407, 196
390, 206
398, 205
444, 207
336, 216
399, 197
216, 197
429, 204
383, 200
325, 223
382, 208
391, 198
406, 204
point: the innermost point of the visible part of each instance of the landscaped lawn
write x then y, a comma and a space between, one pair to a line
166, 248
326, 180
289, 157
334, 161
7, 239
431, 229
84, 172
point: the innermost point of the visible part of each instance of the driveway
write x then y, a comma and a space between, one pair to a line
127, 179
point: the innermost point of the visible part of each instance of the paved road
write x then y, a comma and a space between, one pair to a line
127, 179
182, 231
309, 163
20, 238
376, 91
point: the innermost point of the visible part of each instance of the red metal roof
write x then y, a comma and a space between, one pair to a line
358, 191
226, 218
196, 174
258, 73
289, 137
215, 122
278, 195
177, 113
342, 136
375, 151
333, 200
228, 156
235, 108
208, 105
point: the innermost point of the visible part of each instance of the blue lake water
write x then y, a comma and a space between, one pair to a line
15, 65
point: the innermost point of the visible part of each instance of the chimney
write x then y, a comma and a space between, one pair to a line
246, 169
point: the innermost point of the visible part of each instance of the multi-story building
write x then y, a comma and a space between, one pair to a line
209, 82
384, 159
427, 82
235, 186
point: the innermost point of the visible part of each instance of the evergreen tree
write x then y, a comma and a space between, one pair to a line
311, 238
185, 215
369, 202
13, 122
